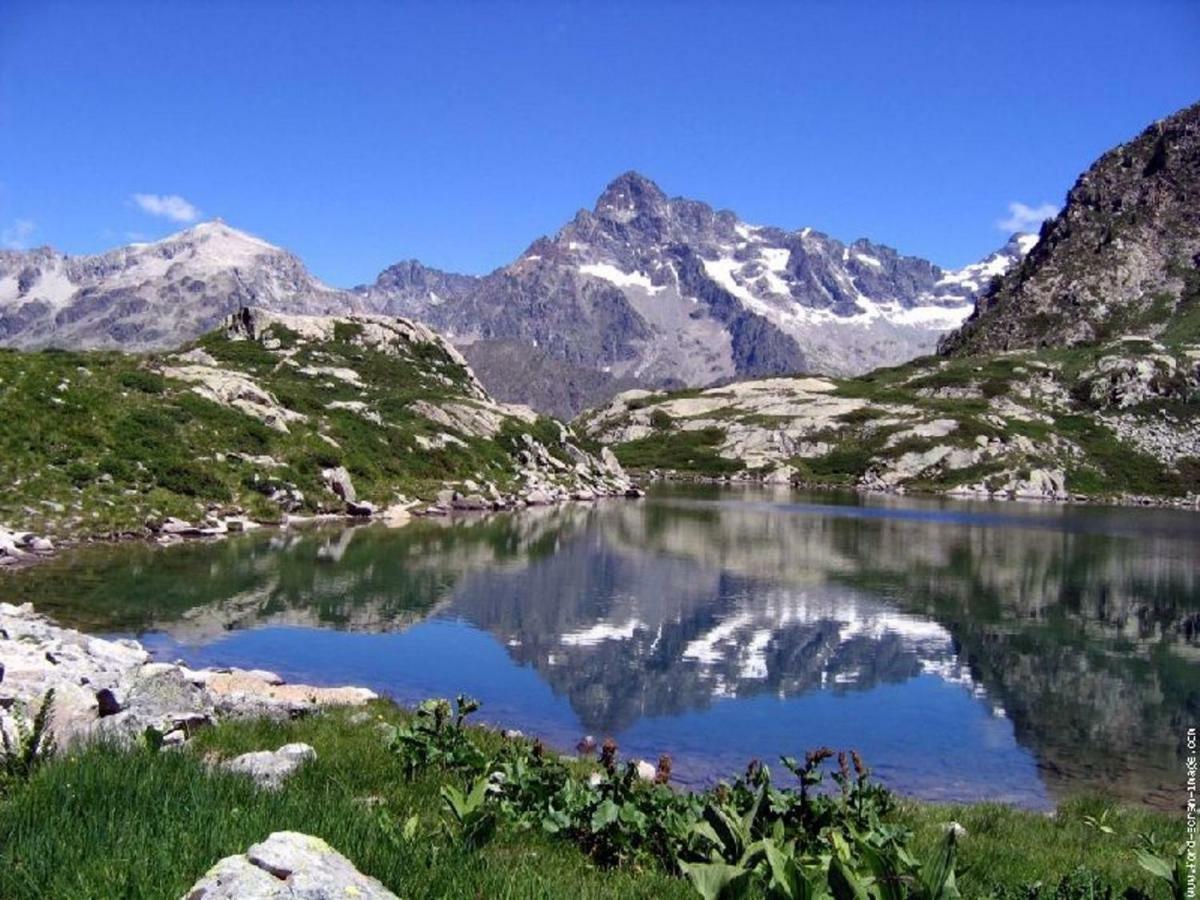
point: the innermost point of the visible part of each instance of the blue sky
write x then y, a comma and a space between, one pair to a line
358, 134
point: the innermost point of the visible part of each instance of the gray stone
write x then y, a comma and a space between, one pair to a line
287, 865
338, 480
171, 525
72, 713
270, 768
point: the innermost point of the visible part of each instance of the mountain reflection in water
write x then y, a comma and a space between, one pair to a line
970, 650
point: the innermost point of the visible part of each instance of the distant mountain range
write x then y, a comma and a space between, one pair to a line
642, 290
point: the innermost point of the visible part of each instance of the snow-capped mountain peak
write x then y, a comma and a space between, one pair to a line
152, 295
647, 289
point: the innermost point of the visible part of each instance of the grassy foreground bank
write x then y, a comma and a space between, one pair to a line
107, 823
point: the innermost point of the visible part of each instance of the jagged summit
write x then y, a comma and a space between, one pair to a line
627, 195
646, 289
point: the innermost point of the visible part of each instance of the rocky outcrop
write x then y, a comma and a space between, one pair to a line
273, 415
113, 689
1123, 256
1118, 421
287, 866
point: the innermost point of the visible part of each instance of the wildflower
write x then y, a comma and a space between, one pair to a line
608, 755
662, 774
859, 769
814, 758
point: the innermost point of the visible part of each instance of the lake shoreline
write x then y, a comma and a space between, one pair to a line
133, 691
178, 531
718, 624
1187, 503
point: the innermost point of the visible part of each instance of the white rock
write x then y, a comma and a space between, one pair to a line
270, 768
287, 865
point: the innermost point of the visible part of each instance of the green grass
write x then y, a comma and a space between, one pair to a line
99, 442
693, 452
106, 824
109, 823
1011, 847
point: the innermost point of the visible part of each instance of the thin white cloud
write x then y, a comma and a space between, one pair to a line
16, 236
1026, 218
167, 206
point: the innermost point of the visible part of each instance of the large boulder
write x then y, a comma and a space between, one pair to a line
287, 865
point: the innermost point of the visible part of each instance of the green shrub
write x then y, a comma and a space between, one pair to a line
680, 451
142, 380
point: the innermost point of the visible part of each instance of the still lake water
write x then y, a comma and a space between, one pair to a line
969, 650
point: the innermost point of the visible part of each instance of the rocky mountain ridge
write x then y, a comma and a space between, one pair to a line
153, 296
642, 290
654, 290
1121, 258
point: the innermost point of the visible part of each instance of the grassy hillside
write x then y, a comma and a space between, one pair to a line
1122, 418
97, 442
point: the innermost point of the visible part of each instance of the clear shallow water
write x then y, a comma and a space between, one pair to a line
969, 651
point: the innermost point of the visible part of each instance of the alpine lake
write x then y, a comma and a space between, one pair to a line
970, 651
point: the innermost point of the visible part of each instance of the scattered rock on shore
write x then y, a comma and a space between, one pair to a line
111, 688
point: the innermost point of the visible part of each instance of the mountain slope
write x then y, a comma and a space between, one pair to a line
271, 414
1118, 421
664, 291
1123, 256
